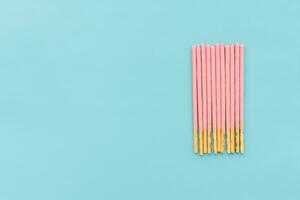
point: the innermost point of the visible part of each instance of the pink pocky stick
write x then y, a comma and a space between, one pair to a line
237, 97
204, 93
195, 98
199, 95
208, 79
222, 66
213, 97
242, 50
232, 90
218, 95
227, 94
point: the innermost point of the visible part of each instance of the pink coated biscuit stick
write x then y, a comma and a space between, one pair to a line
208, 78
213, 97
242, 97
218, 95
222, 66
204, 95
195, 109
232, 90
237, 97
199, 93
227, 94
195, 106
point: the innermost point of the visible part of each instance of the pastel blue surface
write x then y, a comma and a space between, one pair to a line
95, 100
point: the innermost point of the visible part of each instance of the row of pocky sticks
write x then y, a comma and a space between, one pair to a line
218, 98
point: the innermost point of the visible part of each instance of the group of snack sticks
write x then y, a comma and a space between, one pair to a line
218, 98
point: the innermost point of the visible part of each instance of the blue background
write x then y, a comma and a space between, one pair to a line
95, 100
